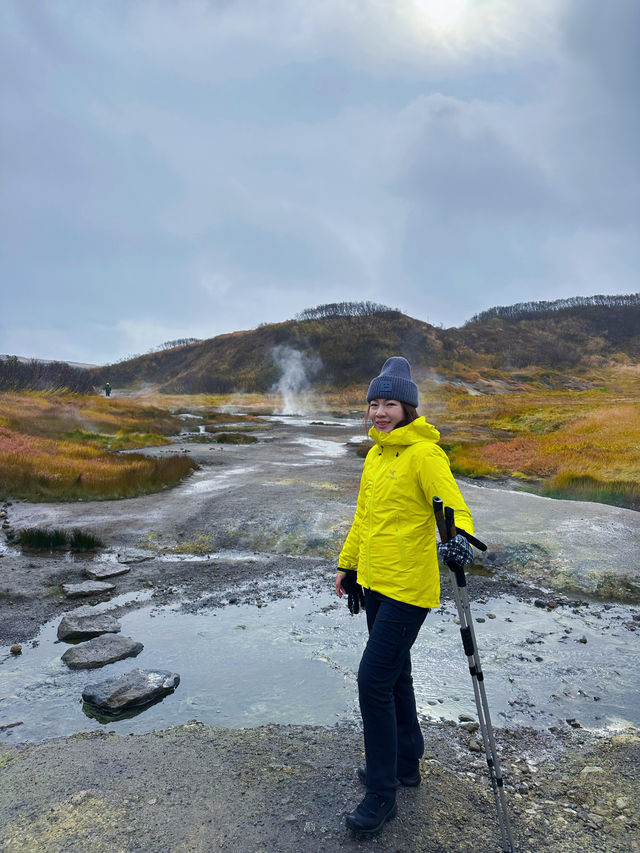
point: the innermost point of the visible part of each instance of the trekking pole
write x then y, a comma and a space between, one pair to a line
445, 522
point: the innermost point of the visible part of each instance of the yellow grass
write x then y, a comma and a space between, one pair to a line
51, 447
583, 444
573, 444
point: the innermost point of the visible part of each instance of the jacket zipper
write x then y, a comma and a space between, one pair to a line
373, 488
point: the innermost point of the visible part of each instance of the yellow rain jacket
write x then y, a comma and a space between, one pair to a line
392, 541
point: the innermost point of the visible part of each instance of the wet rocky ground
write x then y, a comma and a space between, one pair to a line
262, 524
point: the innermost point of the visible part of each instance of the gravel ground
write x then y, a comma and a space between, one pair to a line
287, 788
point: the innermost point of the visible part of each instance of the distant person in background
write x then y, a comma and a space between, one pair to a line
107, 390
389, 565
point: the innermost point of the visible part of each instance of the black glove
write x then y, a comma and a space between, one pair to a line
456, 553
355, 595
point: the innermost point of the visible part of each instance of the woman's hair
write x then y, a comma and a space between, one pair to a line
410, 414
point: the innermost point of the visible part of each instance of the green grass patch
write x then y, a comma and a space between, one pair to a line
585, 487
536, 421
237, 427
234, 438
121, 440
79, 540
50, 539
40, 537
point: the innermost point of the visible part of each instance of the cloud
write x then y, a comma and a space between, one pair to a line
189, 167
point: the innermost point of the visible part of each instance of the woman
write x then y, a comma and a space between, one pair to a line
389, 564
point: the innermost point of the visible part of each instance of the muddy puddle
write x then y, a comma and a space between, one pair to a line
294, 661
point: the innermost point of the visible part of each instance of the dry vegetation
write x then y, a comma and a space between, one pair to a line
59, 446
582, 444
571, 444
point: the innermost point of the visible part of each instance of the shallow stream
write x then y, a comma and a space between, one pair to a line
294, 661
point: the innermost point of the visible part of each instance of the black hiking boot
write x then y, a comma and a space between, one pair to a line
411, 781
371, 815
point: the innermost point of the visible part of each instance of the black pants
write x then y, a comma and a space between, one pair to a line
393, 740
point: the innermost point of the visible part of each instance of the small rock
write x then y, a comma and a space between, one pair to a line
480, 619
540, 603
581, 640
78, 590
131, 690
5, 726
491, 615
591, 768
80, 797
465, 718
16, 649
97, 573
470, 727
625, 738
101, 650
133, 558
475, 746
84, 623
574, 723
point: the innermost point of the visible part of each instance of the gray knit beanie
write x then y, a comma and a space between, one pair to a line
394, 382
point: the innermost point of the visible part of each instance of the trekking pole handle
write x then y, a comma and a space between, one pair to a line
449, 517
438, 511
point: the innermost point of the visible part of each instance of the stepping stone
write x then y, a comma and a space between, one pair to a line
131, 690
84, 623
132, 557
98, 573
78, 590
100, 651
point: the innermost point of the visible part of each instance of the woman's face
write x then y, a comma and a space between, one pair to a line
386, 414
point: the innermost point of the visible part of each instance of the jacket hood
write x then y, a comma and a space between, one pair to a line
418, 430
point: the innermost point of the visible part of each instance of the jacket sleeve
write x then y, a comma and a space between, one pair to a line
437, 481
348, 557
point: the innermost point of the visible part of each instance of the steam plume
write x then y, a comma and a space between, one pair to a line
298, 368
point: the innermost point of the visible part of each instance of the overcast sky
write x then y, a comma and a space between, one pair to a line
183, 168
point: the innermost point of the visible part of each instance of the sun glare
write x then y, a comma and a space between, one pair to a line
442, 15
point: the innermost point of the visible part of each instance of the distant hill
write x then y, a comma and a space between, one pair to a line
35, 374
340, 345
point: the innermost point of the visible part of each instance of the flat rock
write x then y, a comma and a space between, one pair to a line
134, 557
100, 651
100, 572
131, 690
84, 623
77, 590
